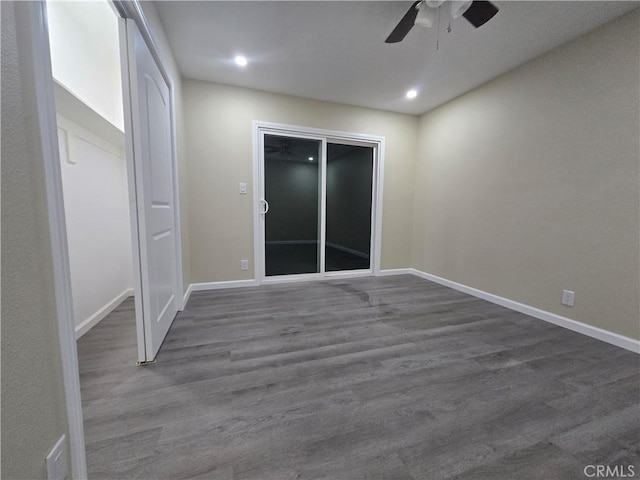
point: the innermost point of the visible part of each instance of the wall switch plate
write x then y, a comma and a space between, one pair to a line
243, 189
56, 461
568, 297
244, 264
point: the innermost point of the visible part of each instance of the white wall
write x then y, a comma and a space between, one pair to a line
95, 191
85, 54
528, 185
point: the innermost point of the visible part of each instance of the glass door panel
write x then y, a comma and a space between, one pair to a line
292, 175
348, 210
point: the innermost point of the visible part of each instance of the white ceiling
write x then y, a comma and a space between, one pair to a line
335, 50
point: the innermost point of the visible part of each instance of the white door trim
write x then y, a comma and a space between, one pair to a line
326, 136
136, 254
322, 218
39, 32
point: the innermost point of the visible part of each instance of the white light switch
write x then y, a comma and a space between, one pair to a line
243, 189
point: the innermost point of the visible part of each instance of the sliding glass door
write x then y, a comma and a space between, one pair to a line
292, 191
316, 204
348, 218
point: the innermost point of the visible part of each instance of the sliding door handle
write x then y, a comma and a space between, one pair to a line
265, 206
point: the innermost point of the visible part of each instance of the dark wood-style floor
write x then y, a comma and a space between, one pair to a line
373, 378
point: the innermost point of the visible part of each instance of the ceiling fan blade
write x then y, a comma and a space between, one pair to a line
480, 12
404, 25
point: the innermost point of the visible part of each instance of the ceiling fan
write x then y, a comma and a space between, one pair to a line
283, 149
424, 12
287, 149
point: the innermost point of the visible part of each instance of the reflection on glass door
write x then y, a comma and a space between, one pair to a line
348, 211
292, 175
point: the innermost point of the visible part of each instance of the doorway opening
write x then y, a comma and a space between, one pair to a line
318, 203
116, 136
85, 61
84, 132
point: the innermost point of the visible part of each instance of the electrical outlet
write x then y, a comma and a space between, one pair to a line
244, 264
56, 461
568, 297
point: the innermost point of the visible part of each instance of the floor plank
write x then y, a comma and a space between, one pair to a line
371, 378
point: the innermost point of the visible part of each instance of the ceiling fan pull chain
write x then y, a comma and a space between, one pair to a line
438, 36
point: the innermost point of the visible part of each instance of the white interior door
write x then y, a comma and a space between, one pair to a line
149, 141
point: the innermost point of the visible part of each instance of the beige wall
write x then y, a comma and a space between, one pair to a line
537, 192
162, 43
33, 406
218, 124
529, 184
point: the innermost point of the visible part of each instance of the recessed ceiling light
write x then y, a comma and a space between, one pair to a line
311, 159
241, 61
412, 94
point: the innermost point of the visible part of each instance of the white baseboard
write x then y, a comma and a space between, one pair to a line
199, 287
395, 271
187, 294
93, 320
591, 331
347, 274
